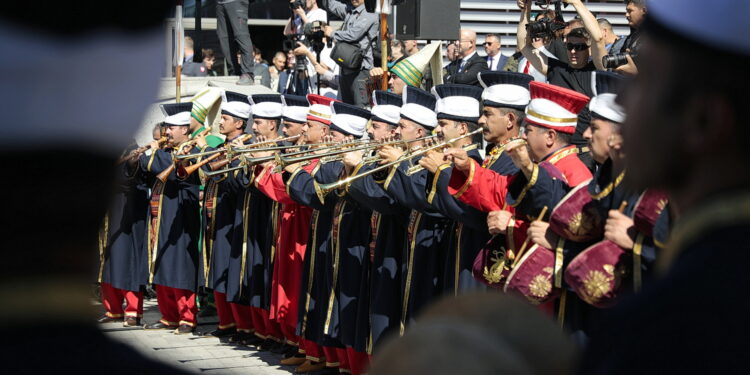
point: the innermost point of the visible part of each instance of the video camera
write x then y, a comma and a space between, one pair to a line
312, 37
547, 27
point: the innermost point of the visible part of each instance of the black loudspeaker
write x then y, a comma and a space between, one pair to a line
428, 19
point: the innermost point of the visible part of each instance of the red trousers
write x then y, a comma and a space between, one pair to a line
343, 361
358, 361
311, 350
265, 328
232, 314
177, 306
112, 300
332, 357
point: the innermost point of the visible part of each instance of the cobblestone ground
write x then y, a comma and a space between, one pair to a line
205, 355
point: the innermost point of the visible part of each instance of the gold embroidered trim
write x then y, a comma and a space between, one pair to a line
550, 118
468, 182
390, 177
311, 272
559, 260
433, 189
607, 190
562, 153
245, 222
413, 225
335, 236
529, 185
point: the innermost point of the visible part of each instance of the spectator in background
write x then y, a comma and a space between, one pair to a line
326, 69
495, 59
286, 75
279, 62
189, 49
468, 63
360, 28
635, 12
575, 75
410, 47
258, 57
451, 52
235, 13
398, 52
301, 16
209, 61
612, 42
189, 67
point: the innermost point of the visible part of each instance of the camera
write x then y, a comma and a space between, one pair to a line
314, 35
616, 60
544, 28
297, 4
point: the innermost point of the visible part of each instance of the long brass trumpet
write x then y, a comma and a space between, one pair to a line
321, 190
137, 152
244, 163
414, 169
164, 175
327, 157
184, 172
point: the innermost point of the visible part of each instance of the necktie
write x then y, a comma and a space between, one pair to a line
489, 62
461, 67
526, 67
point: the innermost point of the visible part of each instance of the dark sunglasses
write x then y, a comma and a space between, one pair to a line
488, 43
577, 46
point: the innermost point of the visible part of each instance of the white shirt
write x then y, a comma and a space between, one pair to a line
523, 64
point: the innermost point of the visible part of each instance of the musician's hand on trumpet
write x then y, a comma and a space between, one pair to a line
519, 153
352, 159
389, 154
460, 158
432, 161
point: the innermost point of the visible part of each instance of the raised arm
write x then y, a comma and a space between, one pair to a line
598, 49
521, 32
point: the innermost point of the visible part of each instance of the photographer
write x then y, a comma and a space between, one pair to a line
303, 11
323, 72
576, 74
624, 60
361, 30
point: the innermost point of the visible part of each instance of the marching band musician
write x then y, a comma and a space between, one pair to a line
291, 244
387, 224
428, 231
124, 272
257, 245
223, 198
504, 100
458, 114
315, 351
342, 229
174, 226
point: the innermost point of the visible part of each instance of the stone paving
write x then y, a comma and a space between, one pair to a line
193, 353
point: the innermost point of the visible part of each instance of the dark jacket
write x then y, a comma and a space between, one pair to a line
468, 75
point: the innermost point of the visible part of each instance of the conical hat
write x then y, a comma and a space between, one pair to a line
206, 105
412, 68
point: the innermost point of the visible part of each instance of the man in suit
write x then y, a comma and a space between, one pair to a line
495, 59
468, 64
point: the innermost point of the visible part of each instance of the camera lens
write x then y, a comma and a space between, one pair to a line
615, 60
